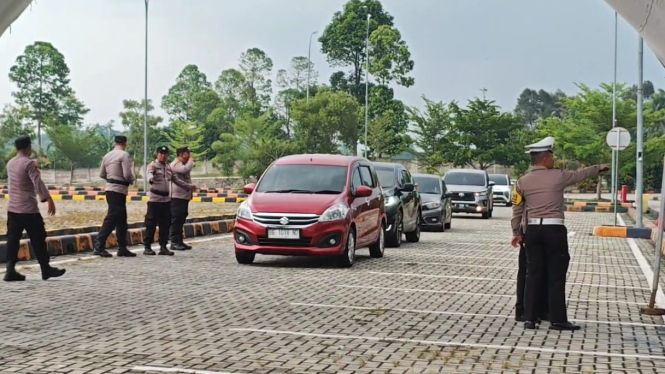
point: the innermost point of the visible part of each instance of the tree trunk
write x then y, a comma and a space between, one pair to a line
89, 176
599, 187
205, 165
71, 173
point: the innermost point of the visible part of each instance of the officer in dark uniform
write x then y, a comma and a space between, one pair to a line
116, 169
543, 308
23, 212
160, 177
540, 193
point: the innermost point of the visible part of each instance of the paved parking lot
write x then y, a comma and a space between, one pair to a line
440, 306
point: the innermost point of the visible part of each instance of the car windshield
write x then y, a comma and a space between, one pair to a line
386, 177
499, 179
428, 185
303, 179
464, 179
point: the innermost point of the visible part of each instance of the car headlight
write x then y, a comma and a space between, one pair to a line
335, 213
432, 204
482, 193
244, 211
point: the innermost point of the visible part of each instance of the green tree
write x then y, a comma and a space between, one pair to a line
327, 122
390, 59
534, 105
230, 86
179, 101
42, 80
386, 111
186, 134
68, 141
256, 67
132, 117
296, 76
429, 128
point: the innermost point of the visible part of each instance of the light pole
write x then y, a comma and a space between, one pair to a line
367, 79
145, 108
640, 130
309, 61
615, 154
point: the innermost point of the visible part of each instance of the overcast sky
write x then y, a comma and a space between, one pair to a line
459, 46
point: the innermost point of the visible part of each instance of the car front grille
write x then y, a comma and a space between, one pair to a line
302, 242
466, 196
285, 219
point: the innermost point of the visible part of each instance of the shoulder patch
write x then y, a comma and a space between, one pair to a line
517, 197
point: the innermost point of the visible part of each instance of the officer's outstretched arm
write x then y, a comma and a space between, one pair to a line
569, 178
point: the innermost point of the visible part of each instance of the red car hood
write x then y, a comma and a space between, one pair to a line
291, 202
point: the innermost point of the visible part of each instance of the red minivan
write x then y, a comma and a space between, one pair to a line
316, 204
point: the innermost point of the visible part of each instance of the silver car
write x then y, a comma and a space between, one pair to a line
471, 191
502, 188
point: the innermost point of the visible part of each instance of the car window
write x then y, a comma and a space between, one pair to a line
356, 181
402, 177
407, 176
500, 179
431, 185
366, 175
465, 179
308, 178
443, 187
386, 177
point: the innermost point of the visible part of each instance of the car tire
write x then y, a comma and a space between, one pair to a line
377, 249
395, 239
442, 227
348, 257
245, 257
486, 215
414, 236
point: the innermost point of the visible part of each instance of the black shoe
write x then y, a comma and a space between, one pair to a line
545, 318
52, 273
163, 251
124, 252
187, 246
101, 253
13, 276
564, 326
148, 251
520, 319
530, 325
178, 247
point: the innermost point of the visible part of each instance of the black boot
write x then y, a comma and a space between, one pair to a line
564, 326
530, 325
101, 252
12, 275
148, 251
163, 251
49, 272
124, 252
187, 246
177, 247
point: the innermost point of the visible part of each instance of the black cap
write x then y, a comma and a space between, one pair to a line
120, 139
162, 149
22, 142
182, 150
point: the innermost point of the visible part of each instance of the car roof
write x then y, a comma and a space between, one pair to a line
474, 171
425, 175
317, 159
391, 165
505, 175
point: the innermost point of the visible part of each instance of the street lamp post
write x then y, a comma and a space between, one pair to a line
309, 61
367, 80
145, 108
615, 154
639, 183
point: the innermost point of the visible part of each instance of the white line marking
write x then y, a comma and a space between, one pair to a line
420, 311
406, 290
515, 259
489, 267
571, 233
134, 248
448, 343
177, 370
644, 265
499, 280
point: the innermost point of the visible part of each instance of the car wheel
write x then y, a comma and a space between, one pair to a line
442, 219
377, 249
244, 257
414, 236
347, 258
486, 215
395, 238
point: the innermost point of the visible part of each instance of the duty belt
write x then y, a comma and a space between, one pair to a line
546, 221
115, 181
160, 193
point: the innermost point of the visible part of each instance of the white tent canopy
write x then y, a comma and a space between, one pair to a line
10, 10
648, 18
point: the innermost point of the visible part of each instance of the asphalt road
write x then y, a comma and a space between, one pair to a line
442, 305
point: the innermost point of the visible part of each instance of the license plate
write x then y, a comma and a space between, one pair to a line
461, 206
283, 234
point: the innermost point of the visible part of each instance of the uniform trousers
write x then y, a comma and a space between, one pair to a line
159, 214
116, 218
547, 261
179, 213
33, 223
542, 304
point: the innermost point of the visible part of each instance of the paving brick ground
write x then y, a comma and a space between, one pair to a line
444, 305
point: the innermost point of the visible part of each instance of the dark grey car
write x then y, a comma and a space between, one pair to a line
437, 210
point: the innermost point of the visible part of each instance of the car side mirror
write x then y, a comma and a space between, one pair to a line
408, 187
363, 191
491, 183
248, 189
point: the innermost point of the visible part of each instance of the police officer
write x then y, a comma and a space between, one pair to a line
116, 169
540, 194
23, 212
160, 177
180, 197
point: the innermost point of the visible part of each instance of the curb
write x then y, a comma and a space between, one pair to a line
622, 232
594, 209
52, 187
130, 225
141, 198
648, 224
81, 243
599, 203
